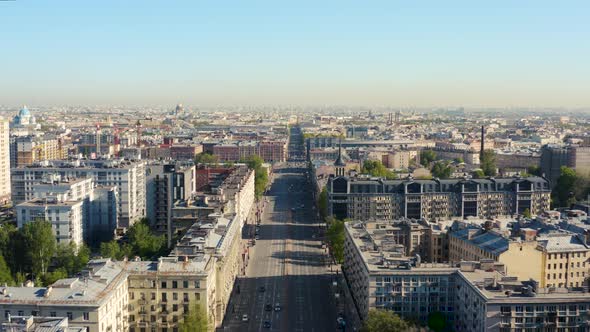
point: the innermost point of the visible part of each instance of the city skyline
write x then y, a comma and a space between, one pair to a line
388, 54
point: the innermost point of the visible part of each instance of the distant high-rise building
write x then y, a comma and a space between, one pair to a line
555, 156
4, 161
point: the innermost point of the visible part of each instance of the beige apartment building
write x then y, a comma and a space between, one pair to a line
4, 161
565, 260
162, 292
475, 244
554, 259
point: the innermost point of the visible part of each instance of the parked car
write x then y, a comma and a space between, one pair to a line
244, 318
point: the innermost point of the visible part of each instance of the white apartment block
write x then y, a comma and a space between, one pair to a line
76, 209
97, 301
4, 161
128, 176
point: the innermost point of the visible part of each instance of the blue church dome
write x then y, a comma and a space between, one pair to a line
24, 112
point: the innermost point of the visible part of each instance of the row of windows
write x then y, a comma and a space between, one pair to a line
566, 255
164, 296
540, 308
70, 315
561, 265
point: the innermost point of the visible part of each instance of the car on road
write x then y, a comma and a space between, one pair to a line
268, 307
261, 289
244, 318
277, 307
266, 324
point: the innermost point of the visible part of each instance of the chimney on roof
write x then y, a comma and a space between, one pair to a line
483, 132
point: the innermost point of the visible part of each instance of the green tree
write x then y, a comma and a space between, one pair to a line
51, 277
71, 258
488, 162
563, 193
426, 157
111, 249
383, 321
442, 170
527, 213
323, 203
437, 321
478, 174
254, 162
459, 160
376, 168
195, 320
336, 236
40, 244
5, 275
206, 158
143, 242
534, 170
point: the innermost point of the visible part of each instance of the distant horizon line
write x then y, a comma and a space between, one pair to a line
311, 106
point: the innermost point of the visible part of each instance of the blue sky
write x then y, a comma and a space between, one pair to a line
395, 53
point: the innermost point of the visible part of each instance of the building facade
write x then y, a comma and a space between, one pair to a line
362, 198
471, 296
4, 161
127, 176
97, 300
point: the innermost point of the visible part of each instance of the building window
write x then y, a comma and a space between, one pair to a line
174, 284
86, 316
52, 314
70, 316
185, 284
164, 284
197, 284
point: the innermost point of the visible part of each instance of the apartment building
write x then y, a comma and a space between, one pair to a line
4, 161
185, 152
554, 156
475, 244
219, 236
472, 296
128, 176
96, 301
38, 324
27, 150
565, 260
269, 151
488, 300
165, 185
365, 198
77, 210
555, 259
162, 292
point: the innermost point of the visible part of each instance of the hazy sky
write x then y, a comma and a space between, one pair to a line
397, 53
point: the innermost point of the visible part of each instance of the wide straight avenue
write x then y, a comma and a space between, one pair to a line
287, 282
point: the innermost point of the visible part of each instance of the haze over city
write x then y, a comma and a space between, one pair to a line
380, 53
312, 166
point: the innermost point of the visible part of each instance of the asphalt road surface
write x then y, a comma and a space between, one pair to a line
289, 262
